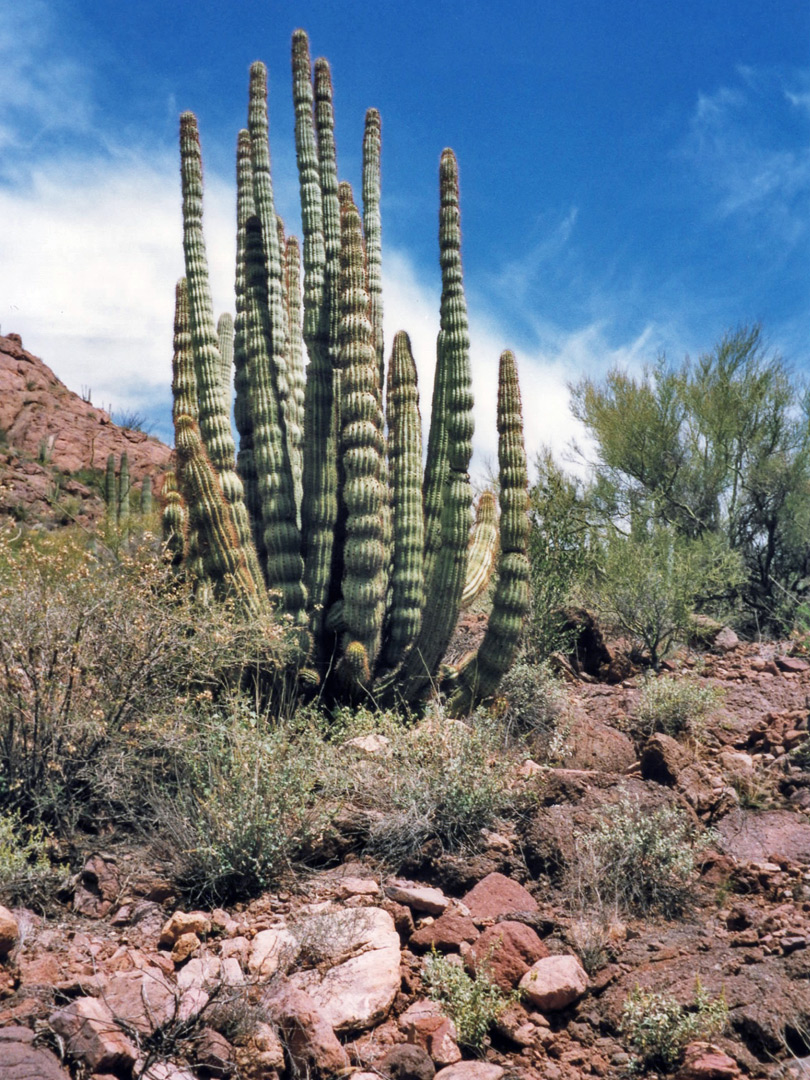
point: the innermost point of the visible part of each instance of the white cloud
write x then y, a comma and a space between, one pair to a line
742, 143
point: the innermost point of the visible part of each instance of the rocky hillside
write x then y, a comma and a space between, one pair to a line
351, 971
54, 445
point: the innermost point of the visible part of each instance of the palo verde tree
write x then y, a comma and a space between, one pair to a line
324, 513
716, 451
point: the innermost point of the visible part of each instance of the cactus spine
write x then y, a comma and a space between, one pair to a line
346, 535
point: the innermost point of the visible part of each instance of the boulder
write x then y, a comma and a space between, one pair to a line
471, 1070
184, 922
311, 1043
20, 1060
98, 887
358, 992
92, 1036
418, 897
9, 932
424, 1024
497, 895
144, 999
505, 952
554, 983
407, 1062
446, 934
272, 950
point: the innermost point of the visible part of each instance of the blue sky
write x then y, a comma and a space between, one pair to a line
635, 177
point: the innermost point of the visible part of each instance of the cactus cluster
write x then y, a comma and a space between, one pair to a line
325, 513
118, 492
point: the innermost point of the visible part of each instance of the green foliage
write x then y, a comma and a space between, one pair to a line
649, 584
473, 1004
659, 1028
560, 554
674, 707
712, 448
26, 872
532, 709
441, 781
247, 799
633, 859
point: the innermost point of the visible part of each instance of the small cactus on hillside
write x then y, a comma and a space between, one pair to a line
324, 512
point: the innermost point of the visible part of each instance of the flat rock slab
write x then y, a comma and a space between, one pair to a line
760, 835
419, 897
470, 1070
21, 1060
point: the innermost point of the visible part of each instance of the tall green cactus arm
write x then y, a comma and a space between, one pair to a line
482, 549
362, 446
184, 378
479, 676
446, 583
214, 412
221, 552
319, 508
214, 421
174, 519
292, 292
282, 539
111, 489
245, 208
372, 225
405, 478
330, 204
225, 343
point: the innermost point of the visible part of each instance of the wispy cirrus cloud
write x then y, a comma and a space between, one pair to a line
744, 145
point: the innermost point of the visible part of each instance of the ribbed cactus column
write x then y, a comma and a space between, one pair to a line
214, 413
220, 550
330, 204
319, 509
282, 539
479, 677
405, 478
372, 225
174, 519
482, 549
362, 447
446, 582
225, 345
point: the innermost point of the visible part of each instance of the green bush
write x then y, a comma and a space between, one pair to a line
659, 1028
674, 707
532, 709
443, 781
249, 796
27, 875
472, 1004
633, 859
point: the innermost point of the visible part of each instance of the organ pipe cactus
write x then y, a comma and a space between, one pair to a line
326, 515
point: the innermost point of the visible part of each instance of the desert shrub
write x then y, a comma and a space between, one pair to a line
649, 585
532, 708
443, 781
93, 648
473, 1004
27, 874
248, 797
659, 1028
674, 707
633, 859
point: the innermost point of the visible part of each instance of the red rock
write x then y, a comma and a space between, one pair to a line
185, 922
554, 983
311, 1043
702, 1061
9, 932
407, 1062
425, 1025
445, 934
92, 1036
145, 999
98, 887
497, 895
419, 897
506, 951
19, 1060
471, 1070
792, 664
